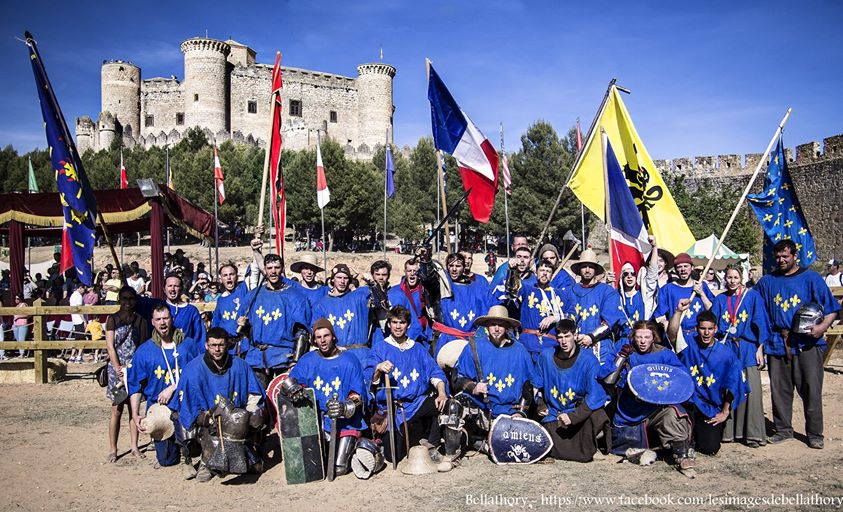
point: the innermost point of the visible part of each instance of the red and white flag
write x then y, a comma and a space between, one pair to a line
124, 178
579, 137
507, 177
276, 174
323, 195
218, 177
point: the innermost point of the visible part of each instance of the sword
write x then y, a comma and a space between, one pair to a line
453, 210
390, 418
332, 449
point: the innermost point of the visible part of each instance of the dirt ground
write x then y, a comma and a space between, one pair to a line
54, 447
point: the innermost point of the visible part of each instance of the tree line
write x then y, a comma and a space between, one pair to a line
539, 167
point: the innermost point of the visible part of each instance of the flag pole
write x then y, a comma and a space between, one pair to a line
385, 178
438, 202
574, 166
505, 202
322, 215
608, 203
120, 178
212, 271
440, 179
262, 206
746, 190
167, 179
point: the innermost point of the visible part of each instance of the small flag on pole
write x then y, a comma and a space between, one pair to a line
579, 137
124, 178
323, 195
390, 173
505, 174
441, 157
218, 176
33, 183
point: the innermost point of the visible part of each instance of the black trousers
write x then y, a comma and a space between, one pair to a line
706, 437
805, 373
422, 425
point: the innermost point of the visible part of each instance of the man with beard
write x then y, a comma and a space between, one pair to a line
561, 277
332, 372
412, 295
229, 305
716, 371
682, 288
595, 305
185, 315
572, 399
154, 375
278, 321
541, 306
307, 268
406, 366
209, 378
520, 266
507, 377
796, 358
348, 312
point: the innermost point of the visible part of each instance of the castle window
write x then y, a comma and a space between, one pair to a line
179, 118
149, 121
333, 116
253, 107
295, 108
195, 97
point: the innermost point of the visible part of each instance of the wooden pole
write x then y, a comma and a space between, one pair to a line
262, 203
385, 195
603, 143
755, 173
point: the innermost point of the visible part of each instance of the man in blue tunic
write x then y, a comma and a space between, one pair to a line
185, 316
639, 296
408, 369
307, 268
412, 295
541, 306
795, 358
208, 379
348, 312
505, 386
337, 380
572, 403
278, 322
597, 307
682, 288
229, 305
562, 279
154, 375
716, 372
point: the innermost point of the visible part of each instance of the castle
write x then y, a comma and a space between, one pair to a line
226, 94
816, 172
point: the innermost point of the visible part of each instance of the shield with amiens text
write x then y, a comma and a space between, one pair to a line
517, 440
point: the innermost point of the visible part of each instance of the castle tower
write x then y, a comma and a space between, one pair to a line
120, 85
85, 130
206, 83
107, 128
374, 103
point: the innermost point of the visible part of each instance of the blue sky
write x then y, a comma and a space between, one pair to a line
711, 78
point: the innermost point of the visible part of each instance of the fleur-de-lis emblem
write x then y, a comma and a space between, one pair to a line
260, 311
317, 383
509, 380
743, 316
276, 314
454, 314
332, 319
695, 370
341, 323
470, 315
396, 373
726, 316
778, 299
336, 382
414, 375
710, 380
532, 300
405, 382
491, 378
500, 385
554, 392
463, 321
594, 310
795, 300
348, 315
159, 372
266, 318
570, 394
700, 380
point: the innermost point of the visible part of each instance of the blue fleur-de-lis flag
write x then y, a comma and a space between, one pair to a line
77, 198
780, 214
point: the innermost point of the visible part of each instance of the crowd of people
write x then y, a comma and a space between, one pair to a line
422, 368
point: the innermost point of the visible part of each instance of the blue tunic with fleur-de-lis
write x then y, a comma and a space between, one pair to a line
340, 375
750, 323
200, 388
273, 318
349, 314
469, 300
669, 297
563, 389
538, 303
187, 318
716, 372
597, 305
505, 370
148, 373
228, 308
783, 296
633, 311
413, 373
631, 410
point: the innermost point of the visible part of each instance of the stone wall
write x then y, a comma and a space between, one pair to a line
120, 87
816, 176
161, 98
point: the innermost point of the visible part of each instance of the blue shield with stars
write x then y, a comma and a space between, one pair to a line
660, 384
517, 440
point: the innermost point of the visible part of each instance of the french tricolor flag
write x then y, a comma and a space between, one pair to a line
629, 242
455, 134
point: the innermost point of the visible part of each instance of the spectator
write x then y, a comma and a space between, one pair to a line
136, 281
125, 331
200, 286
213, 292
77, 299
28, 287
5, 281
20, 327
112, 287
141, 272
834, 277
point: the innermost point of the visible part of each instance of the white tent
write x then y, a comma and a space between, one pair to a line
702, 250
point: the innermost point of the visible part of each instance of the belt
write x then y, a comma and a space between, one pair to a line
356, 345
444, 329
538, 333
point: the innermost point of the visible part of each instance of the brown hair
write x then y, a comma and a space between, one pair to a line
650, 326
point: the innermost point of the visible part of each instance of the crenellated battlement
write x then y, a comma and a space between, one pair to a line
722, 166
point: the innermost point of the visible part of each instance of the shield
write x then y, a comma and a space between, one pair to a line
516, 440
660, 384
300, 431
450, 353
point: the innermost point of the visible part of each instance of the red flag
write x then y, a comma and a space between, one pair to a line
124, 179
66, 260
505, 174
218, 176
276, 174
579, 137
323, 195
